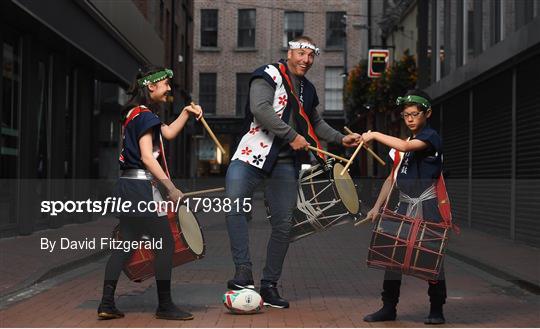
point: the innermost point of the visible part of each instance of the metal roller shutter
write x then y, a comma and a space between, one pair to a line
435, 119
492, 155
527, 219
455, 135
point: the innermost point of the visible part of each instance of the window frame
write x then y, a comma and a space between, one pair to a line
329, 35
240, 105
205, 103
251, 43
206, 28
327, 89
295, 32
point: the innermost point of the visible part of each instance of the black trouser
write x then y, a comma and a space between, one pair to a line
392, 284
132, 229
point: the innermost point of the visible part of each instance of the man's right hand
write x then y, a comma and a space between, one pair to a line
299, 143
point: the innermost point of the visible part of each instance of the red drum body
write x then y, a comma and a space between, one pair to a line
188, 246
412, 246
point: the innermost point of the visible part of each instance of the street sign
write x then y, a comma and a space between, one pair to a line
378, 59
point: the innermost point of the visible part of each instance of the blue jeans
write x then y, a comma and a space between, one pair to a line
280, 193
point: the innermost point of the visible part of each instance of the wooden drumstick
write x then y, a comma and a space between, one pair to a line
210, 132
361, 221
219, 189
327, 153
366, 219
381, 161
352, 157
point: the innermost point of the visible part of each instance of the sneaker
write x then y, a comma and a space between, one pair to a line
172, 312
108, 311
243, 279
271, 297
384, 314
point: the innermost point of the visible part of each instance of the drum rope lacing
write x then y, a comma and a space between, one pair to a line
306, 206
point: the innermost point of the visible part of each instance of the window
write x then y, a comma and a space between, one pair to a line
293, 26
524, 12
167, 35
209, 27
335, 29
178, 47
246, 28
43, 118
447, 29
242, 92
10, 106
151, 10
161, 9
496, 19
333, 89
207, 92
470, 30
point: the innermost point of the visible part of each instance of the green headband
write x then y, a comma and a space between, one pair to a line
413, 99
155, 77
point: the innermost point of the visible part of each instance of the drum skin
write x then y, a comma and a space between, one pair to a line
188, 246
346, 189
325, 199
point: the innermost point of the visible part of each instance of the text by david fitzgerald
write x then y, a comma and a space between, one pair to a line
102, 243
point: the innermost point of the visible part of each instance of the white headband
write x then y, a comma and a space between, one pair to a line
299, 45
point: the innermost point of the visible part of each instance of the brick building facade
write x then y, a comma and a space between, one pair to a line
232, 38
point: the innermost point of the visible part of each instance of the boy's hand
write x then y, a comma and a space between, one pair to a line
368, 136
373, 214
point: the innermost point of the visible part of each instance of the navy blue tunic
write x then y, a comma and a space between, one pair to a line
136, 128
136, 190
421, 169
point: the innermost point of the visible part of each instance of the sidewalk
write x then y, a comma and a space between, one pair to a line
325, 277
22, 262
512, 261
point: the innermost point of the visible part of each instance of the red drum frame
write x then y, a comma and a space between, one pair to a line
188, 246
325, 199
411, 246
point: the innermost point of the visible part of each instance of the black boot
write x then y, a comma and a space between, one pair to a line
437, 298
167, 310
435, 314
270, 295
386, 313
106, 309
243, 279
390, 298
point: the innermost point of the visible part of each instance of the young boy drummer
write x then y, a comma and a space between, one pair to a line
416, 178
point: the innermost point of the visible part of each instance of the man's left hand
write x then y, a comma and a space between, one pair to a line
351, 140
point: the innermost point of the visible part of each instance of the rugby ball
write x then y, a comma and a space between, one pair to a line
245, 301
